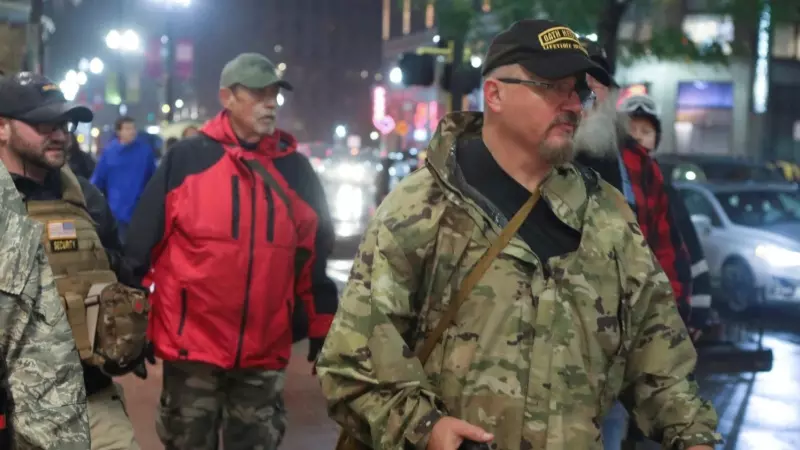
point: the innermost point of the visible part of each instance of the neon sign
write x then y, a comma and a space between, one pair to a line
433, 114
761, 78
383, 123
421, 116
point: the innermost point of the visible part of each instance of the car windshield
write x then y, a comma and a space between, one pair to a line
760, 208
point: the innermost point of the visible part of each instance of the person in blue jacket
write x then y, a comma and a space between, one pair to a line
124, 169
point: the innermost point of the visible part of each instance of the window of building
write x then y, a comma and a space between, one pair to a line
704, 117
786, 41
430, 15
406, 16
387, 19
707, 29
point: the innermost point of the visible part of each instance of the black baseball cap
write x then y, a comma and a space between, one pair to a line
598, 54
33, 98
545, 48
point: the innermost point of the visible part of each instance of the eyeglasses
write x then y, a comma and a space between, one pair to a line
562, 89
46, 129
639, 102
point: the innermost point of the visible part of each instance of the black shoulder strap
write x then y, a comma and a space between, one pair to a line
590, 178
270, 183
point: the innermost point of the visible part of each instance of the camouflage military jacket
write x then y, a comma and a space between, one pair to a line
42, 371
539, 350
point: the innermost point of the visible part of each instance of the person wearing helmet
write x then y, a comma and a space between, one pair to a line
645, 127
644, 124
605, 143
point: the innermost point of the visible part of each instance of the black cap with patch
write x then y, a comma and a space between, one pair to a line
545, 48
35, 99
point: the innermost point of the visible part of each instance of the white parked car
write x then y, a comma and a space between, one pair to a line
750, 233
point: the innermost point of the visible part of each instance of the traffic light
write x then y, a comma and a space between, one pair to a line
462, 80
418, 70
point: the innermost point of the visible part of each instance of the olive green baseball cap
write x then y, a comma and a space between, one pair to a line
252, 70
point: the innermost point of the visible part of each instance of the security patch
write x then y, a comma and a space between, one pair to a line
64, 245
63, 236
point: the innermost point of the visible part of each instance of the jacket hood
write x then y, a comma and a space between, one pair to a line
277, 145
563, 188
602, 131
9, 196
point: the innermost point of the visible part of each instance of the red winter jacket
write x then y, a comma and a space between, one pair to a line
231, 252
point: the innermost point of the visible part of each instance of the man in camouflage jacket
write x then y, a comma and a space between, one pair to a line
42, 399
573, 314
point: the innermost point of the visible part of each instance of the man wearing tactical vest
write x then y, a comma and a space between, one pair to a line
108, 318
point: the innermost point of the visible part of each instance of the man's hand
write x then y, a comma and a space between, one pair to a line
448, 433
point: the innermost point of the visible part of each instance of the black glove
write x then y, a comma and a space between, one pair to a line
148, 356
141, 370
314, 346
150, 352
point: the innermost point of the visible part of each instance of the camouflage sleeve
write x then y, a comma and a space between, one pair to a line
45, 379
661, 394
376, 388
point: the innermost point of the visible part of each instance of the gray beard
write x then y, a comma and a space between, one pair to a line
601, 131
557, 155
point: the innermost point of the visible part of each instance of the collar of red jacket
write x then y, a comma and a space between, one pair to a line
277, 145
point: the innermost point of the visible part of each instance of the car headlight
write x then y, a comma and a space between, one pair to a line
351, 172
777, 256
348, 203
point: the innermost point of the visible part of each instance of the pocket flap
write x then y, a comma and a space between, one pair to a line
20, 237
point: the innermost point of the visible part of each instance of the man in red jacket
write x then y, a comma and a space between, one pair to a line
234, 232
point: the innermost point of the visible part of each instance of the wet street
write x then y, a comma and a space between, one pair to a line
756, 412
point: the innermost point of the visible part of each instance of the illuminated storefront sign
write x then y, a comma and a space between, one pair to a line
761, 78
383, 123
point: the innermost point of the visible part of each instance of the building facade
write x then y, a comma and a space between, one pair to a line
13, 34
407, 26
745, 107
329, 50
782, 134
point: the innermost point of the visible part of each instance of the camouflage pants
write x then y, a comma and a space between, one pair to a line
198, 400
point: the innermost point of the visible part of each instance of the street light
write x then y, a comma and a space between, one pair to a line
476, 61
396, 75
179, 103
280, 99
127, 41
341, 131
96, 66
70, 89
